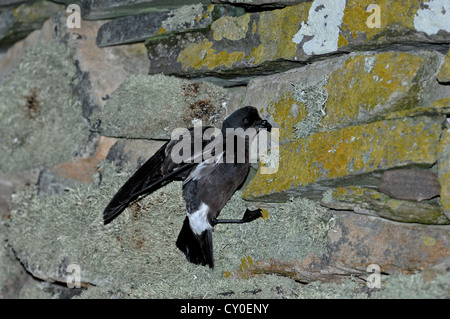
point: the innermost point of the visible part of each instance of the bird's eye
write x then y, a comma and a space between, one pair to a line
246, 120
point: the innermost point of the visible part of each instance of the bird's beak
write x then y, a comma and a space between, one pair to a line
264, 124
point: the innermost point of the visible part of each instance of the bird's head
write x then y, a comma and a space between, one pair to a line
245, 118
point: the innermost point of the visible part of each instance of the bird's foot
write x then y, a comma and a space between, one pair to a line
251, 215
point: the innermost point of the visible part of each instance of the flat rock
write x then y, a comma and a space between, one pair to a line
138, 28
444, 170
410, 184
17, 22
349, 156
101, 70
262, 3
107, 9
152, 106
133, 152
264, 42
349, 90
358, 241
11, 183
367, 201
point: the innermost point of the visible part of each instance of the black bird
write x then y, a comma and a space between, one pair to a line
207, 184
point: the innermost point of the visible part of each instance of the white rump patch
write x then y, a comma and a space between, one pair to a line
198, 220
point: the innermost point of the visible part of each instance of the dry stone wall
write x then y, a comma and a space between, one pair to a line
359, 91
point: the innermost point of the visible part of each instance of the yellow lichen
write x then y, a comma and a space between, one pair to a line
198, 55
265, 214
231, 28
441, 103
429, 241
246, 262
286, 112
356, 88
393, 14
444, 73
161, 31
337, 154
276, 29
342, 41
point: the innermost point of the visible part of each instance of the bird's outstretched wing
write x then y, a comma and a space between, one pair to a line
158, 171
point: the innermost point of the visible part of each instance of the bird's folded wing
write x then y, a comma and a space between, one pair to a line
157, 171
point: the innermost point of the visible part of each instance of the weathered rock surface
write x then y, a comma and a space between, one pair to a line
7, 3
17, 22
101, 71
106, 9
354, 89
444, 74
444, 170
370, 202
410, 184
358, 241
262, 3
262, 42
138, 28
166, 103
348, 156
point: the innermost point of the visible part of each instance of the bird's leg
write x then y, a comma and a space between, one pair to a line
249, 215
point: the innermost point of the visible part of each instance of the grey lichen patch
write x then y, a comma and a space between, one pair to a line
414, 286
138, 248
370, 202
187, 17
152, 106
314, 98
10, 269
369, 63
292, 231
41, 120
135, 255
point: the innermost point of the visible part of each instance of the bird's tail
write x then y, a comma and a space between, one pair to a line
197, 248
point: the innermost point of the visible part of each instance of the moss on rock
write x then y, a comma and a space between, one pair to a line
138, 248
41, 120
309, 165
153, 106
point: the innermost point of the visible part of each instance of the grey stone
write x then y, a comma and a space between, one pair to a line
132, 152
152, 106
130, 29
17, 22
370, 202
106, 9
11, 183
358, 241
141, 27
262, 3
6, 3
